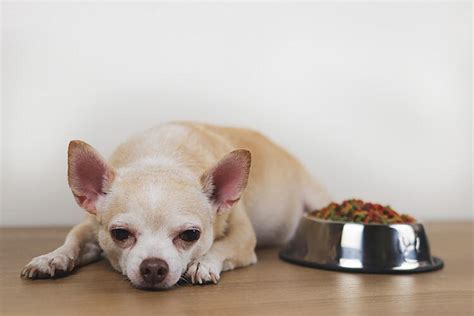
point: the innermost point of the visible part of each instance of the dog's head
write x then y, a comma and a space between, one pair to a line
154, 219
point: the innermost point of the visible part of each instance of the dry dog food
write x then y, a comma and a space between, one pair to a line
362, 212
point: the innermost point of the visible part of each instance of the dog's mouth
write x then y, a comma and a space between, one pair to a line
160, 286
148, 287
151, 286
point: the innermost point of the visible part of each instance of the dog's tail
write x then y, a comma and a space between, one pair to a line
315, 196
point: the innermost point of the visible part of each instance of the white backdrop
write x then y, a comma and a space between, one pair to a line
374, 98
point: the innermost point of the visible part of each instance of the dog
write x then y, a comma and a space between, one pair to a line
183, 200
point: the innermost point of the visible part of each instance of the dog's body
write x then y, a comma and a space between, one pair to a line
168, 204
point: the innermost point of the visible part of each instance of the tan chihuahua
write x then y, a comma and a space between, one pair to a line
170, 204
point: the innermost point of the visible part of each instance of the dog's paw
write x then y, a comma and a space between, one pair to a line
51, 265
204, 270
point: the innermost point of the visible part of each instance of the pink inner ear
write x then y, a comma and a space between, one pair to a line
229, 179
87, 176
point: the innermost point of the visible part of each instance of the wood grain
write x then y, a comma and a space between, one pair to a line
270, 287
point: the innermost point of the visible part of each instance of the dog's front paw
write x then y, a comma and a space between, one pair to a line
47, 266
204, 270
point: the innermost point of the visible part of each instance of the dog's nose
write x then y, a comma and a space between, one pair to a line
153, 270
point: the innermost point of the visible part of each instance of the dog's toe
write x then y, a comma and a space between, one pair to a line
204, 270
48, 266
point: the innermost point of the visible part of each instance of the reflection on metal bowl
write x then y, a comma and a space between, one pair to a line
357, 247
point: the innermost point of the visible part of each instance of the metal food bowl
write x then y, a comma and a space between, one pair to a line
358, 247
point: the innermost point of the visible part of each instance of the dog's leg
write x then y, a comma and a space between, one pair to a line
236, 249
79, 248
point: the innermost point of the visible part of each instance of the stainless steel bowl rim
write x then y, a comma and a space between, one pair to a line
313, 218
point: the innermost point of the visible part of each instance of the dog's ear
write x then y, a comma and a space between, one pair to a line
89, 176
225, 182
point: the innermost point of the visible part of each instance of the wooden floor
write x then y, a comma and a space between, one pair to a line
269, 287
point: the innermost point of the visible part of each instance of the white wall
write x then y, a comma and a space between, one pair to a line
374, 98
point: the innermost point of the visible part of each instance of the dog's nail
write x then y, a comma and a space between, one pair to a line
70, 265
213, 278
32, 273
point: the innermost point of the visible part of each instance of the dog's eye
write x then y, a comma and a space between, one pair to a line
120, 234
190, 235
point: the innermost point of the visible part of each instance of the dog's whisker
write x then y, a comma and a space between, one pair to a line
182, 280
